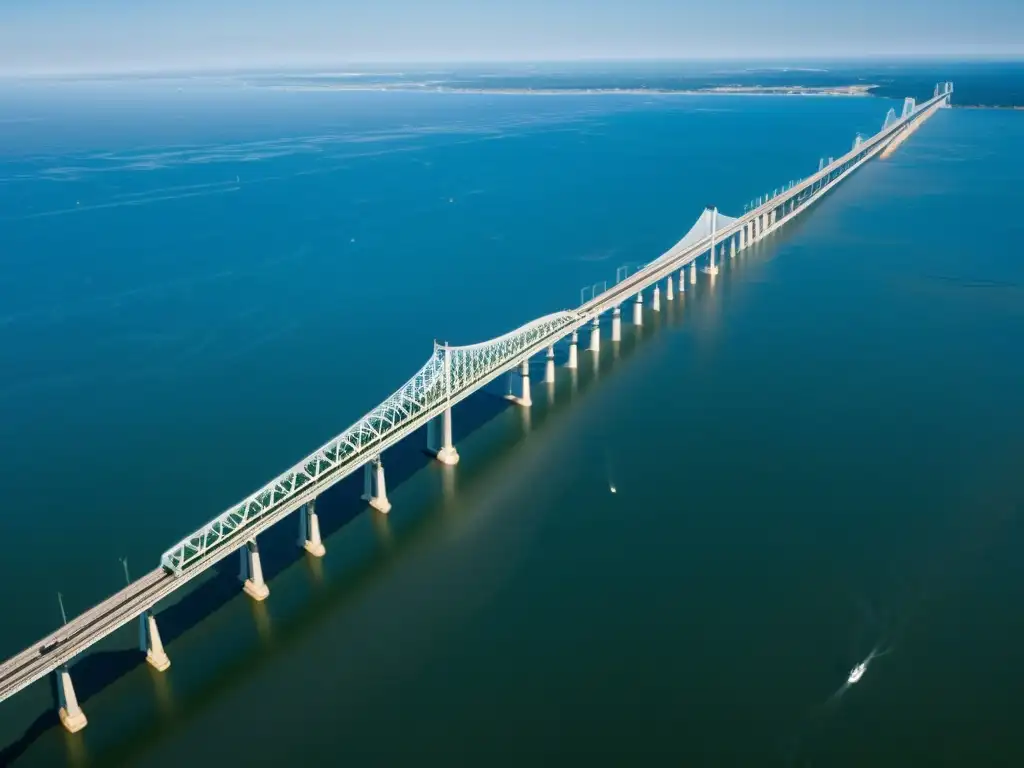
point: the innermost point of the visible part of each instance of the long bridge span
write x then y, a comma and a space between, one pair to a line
450, 375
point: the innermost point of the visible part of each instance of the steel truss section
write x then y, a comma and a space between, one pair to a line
450, 372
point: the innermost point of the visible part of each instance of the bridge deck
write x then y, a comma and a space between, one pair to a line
85, 630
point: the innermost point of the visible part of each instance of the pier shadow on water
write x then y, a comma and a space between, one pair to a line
337, 507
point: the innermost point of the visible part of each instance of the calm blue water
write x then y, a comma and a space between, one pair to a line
817, 455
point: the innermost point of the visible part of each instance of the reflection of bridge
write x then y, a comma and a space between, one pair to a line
449, 376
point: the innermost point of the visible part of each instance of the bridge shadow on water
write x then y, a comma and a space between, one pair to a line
336, 507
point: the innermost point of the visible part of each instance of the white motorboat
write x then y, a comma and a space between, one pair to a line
857, 672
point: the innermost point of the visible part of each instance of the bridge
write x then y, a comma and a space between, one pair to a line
452, 374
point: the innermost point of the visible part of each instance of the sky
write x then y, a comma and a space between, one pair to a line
74, 36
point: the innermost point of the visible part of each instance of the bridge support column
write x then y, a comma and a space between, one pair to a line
712, 268
669, 295
732, 246
251, 572
682, 282
446, 454
656, 299
309, 530
693, 273
572, 362
638, 310
375, 489
71, 715
549, 366
524, 380
149, 642
595, 335
617, 324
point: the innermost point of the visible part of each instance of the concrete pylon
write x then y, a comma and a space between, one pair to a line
616, 324
150, 644
732, 246
638, 309
682, 282
309, 530
250, 571
549, 366
447, 454
595, 335
669, 293
71, 715
573, 361
524, 379
693, 273
375, 489
656, 300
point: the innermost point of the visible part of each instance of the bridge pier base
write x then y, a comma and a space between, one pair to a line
524, 398
573, 361
595, 335
309, 530
669, 295
71, 715
732, 246
375, 490
251, 572
443, 448
149, 642
617, 324
549, 366
656, 299
638, 310
693, 273
682, 282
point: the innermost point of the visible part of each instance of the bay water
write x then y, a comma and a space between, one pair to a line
815, 457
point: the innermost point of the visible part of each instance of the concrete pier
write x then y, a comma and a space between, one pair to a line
524, 380
732, 246
439, 438
250, 571
71, 715
617, 324
549, 366
150, 644
447, 455
656, 299
595, 335
309, 530
375, 489
682, 282
669, 293
638, 310
693, 272
573, 361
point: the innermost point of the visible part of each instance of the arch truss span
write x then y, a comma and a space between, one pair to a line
474, 365
450, 373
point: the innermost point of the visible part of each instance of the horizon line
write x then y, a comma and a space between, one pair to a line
414, 63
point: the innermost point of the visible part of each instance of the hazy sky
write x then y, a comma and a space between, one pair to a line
104, 35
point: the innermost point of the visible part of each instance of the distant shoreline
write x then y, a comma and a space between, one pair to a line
723, 90
1011, 107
